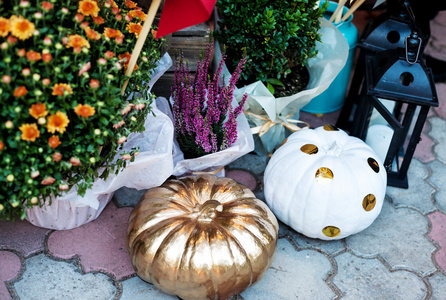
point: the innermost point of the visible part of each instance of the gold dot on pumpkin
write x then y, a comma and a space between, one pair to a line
309, 149
324, 175
329, 127
331, 231
373, 164
369, 202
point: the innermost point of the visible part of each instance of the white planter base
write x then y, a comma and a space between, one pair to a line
65, 215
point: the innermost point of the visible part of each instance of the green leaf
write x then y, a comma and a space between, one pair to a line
275, 81
270, 88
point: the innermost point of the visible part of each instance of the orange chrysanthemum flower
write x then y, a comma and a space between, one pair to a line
154, 32
130, 4
54, 141
29, 132
20, 91
111, 33
4, 27
88, 8
59, 89
21, 28
38, 110
76, 41
33, 55
57, 122
98, 20
84, 110
134, 28
1, 145
91, 34
126, 58
139, 14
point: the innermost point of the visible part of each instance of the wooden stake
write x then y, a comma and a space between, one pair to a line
338, 12
141, 39
353, 9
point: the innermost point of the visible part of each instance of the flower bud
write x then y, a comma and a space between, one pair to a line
35, 174
11, 40
36, 77
1, 207
139, 106
38, 15
65, 10
46, 81
9, 124
24, 3
48, 180
4, 46
63, 187
110, 76
126, 156
6, 79
10, 178
41, 121
21, 52
38, 93
92, 160
122, 139
34, 200
94, 84
109, 54
74, 161
102, 61
58, 46
47, 41
26, 72
97, 131
57, 156
78, 18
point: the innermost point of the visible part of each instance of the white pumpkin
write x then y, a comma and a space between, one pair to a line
325, 184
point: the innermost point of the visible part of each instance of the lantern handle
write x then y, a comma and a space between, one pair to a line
407, 50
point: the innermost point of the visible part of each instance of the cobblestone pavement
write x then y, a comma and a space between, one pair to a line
402, 255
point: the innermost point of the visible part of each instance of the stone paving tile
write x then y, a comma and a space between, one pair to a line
22, 236
438, 180
441, 92
100, 244
251, 162
243, 177
137, 289
293, 275
437, 133
398, 237
10, 267
438, 284
438, 234
419, 194
424, 150
127, 197
45, 279
361, 278
330, 247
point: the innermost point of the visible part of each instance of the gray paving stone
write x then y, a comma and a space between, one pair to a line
437, 132
137, 289
127, 197
398, 236
45, 279
438, 180
438, 283
361, 278
251, 162
419, 193
330, 247
293, 275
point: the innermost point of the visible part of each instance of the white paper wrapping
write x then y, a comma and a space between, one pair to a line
331, 58
214, 161
150, 168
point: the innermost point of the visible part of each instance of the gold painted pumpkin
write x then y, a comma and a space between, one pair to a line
201, 237
325, 184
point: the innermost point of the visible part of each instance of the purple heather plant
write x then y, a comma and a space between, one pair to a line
205, 121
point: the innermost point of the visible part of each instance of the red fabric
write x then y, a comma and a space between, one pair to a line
179, 14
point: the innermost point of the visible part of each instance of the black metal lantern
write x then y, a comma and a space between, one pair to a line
400, 77
387, 31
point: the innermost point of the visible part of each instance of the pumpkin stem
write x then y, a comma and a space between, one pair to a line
334, 149
208, 210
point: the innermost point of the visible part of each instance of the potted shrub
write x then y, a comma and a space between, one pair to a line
284, 41
64, 119
210, 129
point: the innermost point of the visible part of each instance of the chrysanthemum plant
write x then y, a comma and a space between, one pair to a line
205, 121
63, 117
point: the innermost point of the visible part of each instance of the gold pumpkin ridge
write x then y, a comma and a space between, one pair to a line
201, 237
